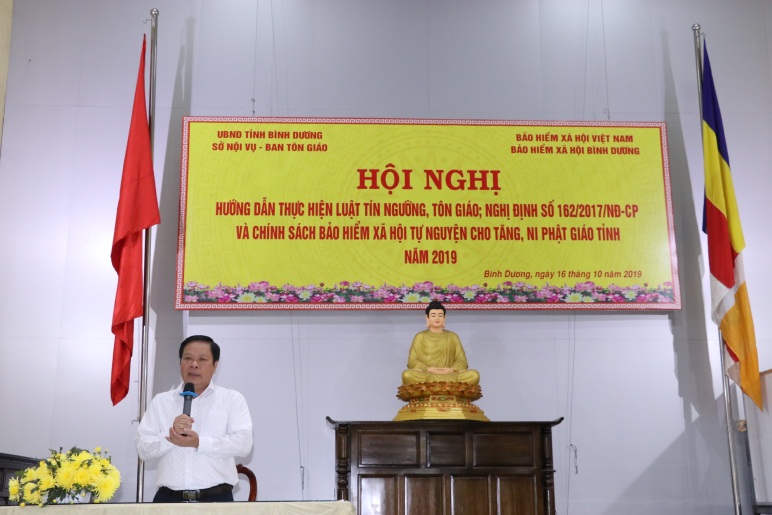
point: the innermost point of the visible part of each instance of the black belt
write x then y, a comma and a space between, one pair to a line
195, 495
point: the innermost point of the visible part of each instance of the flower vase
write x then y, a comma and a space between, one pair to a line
77, 498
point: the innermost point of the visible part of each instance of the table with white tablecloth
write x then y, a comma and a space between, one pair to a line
225, 508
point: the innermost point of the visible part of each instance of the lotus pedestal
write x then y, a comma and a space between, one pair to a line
440, 400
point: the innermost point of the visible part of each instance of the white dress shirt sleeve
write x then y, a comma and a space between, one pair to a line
152, 431
237, 440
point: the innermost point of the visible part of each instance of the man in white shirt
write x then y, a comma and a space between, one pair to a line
196, 453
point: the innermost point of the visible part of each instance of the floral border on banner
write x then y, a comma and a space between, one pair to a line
359, 293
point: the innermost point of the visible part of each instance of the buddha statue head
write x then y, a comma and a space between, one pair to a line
435, 316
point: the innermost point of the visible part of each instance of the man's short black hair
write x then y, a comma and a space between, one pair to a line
201, 338
435, 304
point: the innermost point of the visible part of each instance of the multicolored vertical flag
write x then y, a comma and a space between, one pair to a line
730, 307
137, 211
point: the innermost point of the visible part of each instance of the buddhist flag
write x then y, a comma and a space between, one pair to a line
730, 307
137, 210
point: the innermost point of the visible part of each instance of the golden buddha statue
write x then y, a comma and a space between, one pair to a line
438, 382
436, 353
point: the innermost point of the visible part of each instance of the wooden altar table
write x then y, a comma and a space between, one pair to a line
445, 467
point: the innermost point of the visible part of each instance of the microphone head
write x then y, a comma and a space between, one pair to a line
189, 387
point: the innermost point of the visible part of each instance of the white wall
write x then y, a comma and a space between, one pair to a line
641, 392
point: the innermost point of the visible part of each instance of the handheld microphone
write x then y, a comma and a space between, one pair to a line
188, 393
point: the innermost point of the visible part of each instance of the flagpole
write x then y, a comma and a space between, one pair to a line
725, 379
729, 434
148, 240
698, 57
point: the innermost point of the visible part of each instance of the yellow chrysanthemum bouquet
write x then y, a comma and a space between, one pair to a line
64, 477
